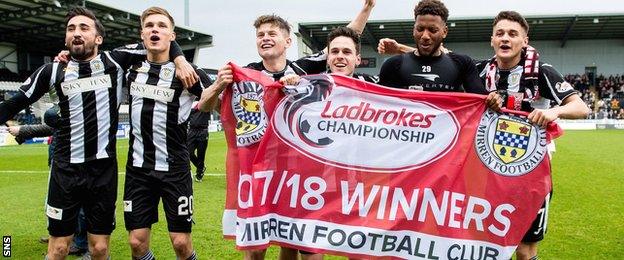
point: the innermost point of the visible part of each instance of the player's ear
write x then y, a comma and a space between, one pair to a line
173, 36
99, 40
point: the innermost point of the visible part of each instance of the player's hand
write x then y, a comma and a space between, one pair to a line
542, 117
225, 76
388, 46
291, 80
185, 72
494, 101
13, 130
62, 57
369, 4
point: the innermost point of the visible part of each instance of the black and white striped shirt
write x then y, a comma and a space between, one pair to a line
88, 94
312, 64
159, 112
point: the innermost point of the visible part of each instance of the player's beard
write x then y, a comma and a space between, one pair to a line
434, 50
83, 51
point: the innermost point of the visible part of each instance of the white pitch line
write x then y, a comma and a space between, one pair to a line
120, 173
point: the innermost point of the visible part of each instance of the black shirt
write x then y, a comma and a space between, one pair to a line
447, 72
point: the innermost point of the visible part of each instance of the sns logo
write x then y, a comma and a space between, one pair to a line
248, 107
351, 129
508, 144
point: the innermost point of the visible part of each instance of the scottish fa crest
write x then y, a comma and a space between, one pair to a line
248, 107
508, 145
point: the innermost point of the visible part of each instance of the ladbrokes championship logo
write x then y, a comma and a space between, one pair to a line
347, 128
508, 144
248, 107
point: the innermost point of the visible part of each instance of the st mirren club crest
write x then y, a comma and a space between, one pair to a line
511, 139
166, 73
508, 144
98, 65
248, 107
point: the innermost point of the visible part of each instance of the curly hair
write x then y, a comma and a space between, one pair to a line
432, 7
273, 20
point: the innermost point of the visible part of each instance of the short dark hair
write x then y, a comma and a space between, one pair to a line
512, 16
273, 20
346, 32
432, 7
77, 11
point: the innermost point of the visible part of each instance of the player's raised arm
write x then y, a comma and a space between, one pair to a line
359, 22
31, 90
210, 96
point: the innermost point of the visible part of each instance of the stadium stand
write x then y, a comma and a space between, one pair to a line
32, 32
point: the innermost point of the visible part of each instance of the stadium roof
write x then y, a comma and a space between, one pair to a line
558, 28
38, 25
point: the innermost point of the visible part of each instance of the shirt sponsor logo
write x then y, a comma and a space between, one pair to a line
54, 213
508, 145
86, 84
248, 107
429, 77
162, 94
342, 127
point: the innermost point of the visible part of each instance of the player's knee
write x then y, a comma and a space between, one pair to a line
182, 244
58, 250
99, 249
526, 251
137, 244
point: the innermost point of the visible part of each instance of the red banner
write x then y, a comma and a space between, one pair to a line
340, 166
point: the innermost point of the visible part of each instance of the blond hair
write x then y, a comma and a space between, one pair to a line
156, 10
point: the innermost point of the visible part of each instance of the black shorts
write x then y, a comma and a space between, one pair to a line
143, 190
538, 227
92, 186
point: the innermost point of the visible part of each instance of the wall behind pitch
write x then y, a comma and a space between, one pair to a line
606, 55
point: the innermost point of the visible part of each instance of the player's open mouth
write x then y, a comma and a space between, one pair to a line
154, 38
340, 65
266, 46
77, 42
505, 47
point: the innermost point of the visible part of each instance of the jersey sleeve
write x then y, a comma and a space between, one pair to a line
203, 82
389, 75
39, 83
312, 64
130, 54
552, 85
470, 80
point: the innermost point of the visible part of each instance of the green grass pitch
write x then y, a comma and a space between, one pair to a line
586, 218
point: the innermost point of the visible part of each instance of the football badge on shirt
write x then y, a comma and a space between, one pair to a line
248, 107
509, 145
166, 73
97, 65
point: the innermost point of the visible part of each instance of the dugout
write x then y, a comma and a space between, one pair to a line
32, 32
582, 43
